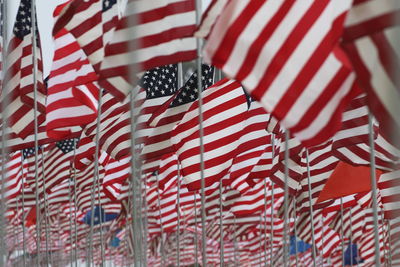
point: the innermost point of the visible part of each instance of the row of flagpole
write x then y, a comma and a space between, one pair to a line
136, 202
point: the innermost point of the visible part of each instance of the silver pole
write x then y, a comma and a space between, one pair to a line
389, 242
161, 226
351, 238
45, 210
221, 226
374, 190
23, 213
196, 241
3, 245
271, 261
272, 211
35, 115
314, 250
286, 200
201, 135
295, 232
235, 248
341, 229
75, 211
265, 220
70, 219
136, 181
178, 210
95, 180
100, 221
322, 239
178, 203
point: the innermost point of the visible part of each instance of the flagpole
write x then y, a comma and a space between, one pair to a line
286, 200
101, 219
178, 212
45, 208
196, 241
5, 100
342, 229
314, 250
389, 242
272, 222
272, 209
322, 239
70, 215
161, 224
23, 212
351, 237
178, 203
95, 179
35, 119
201, 134
265, 219
234, 240
221, 226
74, 192
374, 190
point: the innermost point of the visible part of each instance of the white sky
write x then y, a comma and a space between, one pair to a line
45, 21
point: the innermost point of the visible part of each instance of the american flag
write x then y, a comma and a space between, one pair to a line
369, 40
156, 87
72, 93
19, 82
162, 35
13, 179
54, 164
286, 54
167, 116
224, 111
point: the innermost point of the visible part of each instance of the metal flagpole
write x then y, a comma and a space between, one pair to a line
389, 242
178, 211
221, 226
196, 241
322, 239
374, 190
145, 223
351, 238
23, 213
3, 245
95, 180
235, 241
295, 231
45, 209
341, 229
314, 250
75, 211
265, 219
271, 263
286, 201
178, 203
100, 220
161, 225
201, 134
35, 115
272, 211
70, 220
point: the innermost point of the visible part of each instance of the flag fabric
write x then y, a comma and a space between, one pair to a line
54, 161
167, 116
224, 114
72, 90
162, 35
91, 22
287, 56
13, 178
338, 184
19, 82
369, 41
